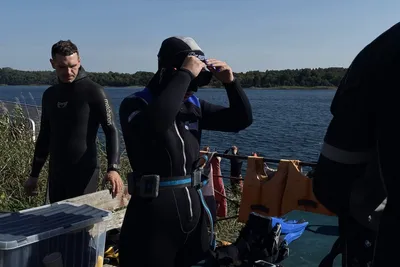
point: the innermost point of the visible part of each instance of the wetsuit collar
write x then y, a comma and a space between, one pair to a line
81, 75
154, 84
160, 80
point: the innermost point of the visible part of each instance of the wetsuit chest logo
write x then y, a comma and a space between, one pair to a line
62, 104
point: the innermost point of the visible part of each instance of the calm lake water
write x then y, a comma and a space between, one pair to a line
287, 124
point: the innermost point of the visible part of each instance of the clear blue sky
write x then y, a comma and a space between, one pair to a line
125, 35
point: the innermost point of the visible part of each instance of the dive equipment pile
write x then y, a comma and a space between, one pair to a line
263, 241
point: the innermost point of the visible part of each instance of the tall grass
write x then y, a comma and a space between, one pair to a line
17, 147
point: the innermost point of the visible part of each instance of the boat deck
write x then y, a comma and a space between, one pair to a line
313, 245
316, 241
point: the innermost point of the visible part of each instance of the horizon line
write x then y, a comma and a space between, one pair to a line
333, 67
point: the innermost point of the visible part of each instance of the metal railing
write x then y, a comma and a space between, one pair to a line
267, 160
30, 115
29, 123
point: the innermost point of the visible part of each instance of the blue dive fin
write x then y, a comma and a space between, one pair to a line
289, 226
294, 221
293, 236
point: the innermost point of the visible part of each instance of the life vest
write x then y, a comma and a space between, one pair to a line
286, 191
220, 196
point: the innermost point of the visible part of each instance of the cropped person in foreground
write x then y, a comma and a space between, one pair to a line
72, 111
358, 164
162, 127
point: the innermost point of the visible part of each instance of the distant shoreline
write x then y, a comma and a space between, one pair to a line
315, 78
48, 85
206, 87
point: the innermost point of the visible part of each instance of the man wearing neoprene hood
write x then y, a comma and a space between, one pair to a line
357, 175
162, 127
72, 111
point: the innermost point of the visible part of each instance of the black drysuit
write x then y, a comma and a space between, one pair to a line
171, 230
71, 115
361, 150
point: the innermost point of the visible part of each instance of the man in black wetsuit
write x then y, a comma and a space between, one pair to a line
236, 169
360, 150
162, 128
72, 111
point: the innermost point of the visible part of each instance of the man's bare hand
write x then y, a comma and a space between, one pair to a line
30, 186
194, 65
221, 70
116, 182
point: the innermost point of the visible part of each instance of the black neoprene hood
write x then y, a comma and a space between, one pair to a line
174, 50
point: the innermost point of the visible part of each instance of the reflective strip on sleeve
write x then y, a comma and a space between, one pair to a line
381, 206
133, 114
343, 156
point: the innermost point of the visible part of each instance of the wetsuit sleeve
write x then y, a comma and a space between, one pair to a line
234, 118
388, 139
343, 159
348, 146
347, 142
157, 116
106, 118
227, 151
43, 141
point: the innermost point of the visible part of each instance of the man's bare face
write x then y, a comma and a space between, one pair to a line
66, 67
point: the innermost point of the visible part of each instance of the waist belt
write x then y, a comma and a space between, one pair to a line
173, 182
182, 181
147, 186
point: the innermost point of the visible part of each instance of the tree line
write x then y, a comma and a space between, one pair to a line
318, 77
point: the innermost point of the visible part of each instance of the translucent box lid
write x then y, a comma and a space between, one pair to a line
29, 226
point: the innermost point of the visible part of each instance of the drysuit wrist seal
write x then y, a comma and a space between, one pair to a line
113, 167
145, 186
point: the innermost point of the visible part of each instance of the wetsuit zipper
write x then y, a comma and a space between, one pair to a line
183, 148
184, 170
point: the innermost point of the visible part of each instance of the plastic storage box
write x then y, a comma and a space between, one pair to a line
77, 232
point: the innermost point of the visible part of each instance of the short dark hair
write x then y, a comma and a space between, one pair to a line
64, 48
